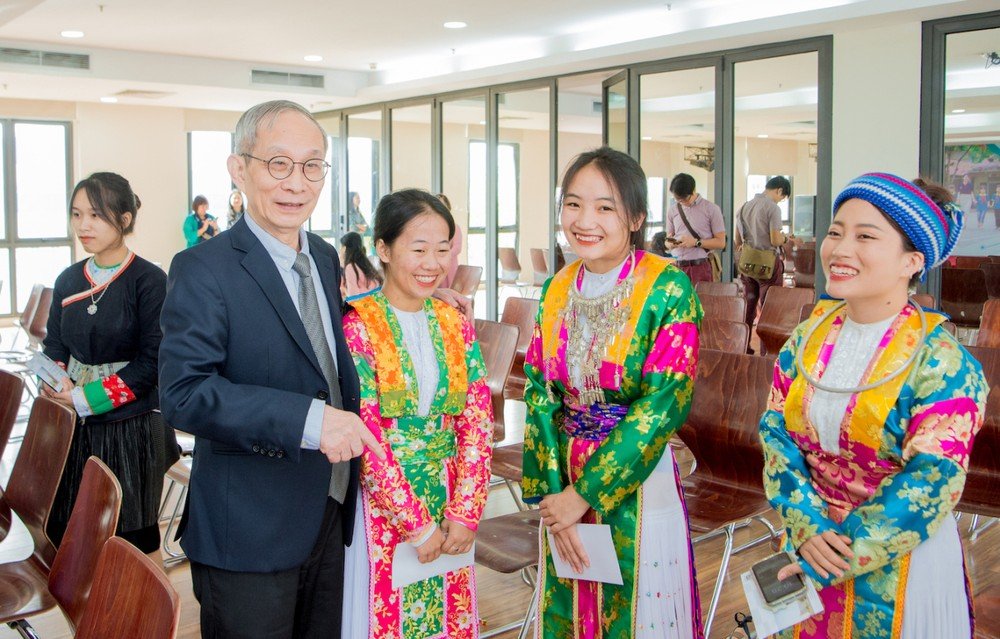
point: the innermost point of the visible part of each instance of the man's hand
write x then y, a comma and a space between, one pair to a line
686, 242
458, 538
431, 549
570, 548
344, 436
826, 553
453, 298
562, 510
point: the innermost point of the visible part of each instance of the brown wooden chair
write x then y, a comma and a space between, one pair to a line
987, 603
717, 288
11, 390
498, 343
982, 483
806, 311
989, 326
926, 300
23, 323
968, 261
995, 259
724, 307
520, 312
963, 293
38, 470
780, 315
467, 279
804, 258
724, 335
508, 544
27, 589
726, 489
539, 266
130, 598
38, 328
992, 272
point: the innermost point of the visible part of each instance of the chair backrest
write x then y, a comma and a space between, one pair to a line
130, 598
804, 259
982, 484
969, 261
29, 307
780, 315
38, 469
992, 272
717, 288
11, 390
725, 307
498, 342
926, 300
510, 266
989, 327
724, 335
805, 311
467, 279
963, 293
521, 312
38, 328
93, 522
730, 395
539, 265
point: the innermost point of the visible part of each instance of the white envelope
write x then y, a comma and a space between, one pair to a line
407, 569
767, 620
596, 539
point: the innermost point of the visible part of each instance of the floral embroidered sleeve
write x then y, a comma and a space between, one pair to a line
663, 398
474, 435
945, 409
787, 481
541, 474
383, 479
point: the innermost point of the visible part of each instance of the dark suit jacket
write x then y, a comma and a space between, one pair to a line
238, 372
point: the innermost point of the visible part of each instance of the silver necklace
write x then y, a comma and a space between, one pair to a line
92, 309
812, 381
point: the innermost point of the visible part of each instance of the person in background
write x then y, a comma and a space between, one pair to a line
236, 207
870, 422
995, 205
965, 192
199, 225
456, 246
694, 227
104, 330
424, 396
758, 223
982, 205
610, 372
658, 245
360, 276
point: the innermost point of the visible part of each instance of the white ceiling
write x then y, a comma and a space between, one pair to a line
200, 52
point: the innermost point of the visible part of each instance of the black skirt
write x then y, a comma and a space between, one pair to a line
138, 450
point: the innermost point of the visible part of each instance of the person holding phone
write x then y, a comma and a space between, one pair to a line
104, 330
610, 372
871, 418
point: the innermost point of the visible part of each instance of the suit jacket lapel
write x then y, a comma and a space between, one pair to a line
261, 268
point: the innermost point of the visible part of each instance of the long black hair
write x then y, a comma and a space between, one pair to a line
354, 254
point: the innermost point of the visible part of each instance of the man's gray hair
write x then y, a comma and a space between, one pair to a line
245, 135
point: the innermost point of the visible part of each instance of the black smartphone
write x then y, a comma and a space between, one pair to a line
766, 574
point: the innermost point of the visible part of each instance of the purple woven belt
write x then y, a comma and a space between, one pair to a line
594, 422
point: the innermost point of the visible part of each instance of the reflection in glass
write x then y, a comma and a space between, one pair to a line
38, 265
775, 132
972, 138
210, 150
677, 130
364, 137
323, 216
617, 113
463, 175
523, 186
411, 147
42, 209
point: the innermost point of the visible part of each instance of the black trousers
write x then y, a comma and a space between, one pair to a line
300, 603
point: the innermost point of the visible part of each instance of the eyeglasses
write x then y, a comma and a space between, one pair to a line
280, 167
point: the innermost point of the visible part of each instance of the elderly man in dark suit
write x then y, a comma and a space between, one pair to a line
253, 363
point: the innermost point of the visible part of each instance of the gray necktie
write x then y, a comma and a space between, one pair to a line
313, 323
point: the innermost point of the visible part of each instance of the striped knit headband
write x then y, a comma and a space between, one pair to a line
934, 230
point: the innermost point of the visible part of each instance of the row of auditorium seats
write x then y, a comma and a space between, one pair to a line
104, 586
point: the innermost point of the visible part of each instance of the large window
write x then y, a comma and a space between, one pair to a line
35, 244
207, 155
507, 199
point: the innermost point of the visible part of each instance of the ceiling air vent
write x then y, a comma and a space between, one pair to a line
279, 78
44, 58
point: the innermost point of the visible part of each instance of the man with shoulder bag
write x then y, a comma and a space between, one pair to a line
695, 230
758, 242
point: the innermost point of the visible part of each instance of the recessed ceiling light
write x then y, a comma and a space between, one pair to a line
958, 110
647, 137
71, 34
313, 58
457, 24
762, 135
109, 99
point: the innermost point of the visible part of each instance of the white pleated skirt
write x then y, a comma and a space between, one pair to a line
936, 605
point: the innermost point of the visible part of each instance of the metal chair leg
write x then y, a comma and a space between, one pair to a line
719, 581
173, 556
975, 533
166, 500
23, 628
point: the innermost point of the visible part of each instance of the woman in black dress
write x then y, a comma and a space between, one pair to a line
104, 329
